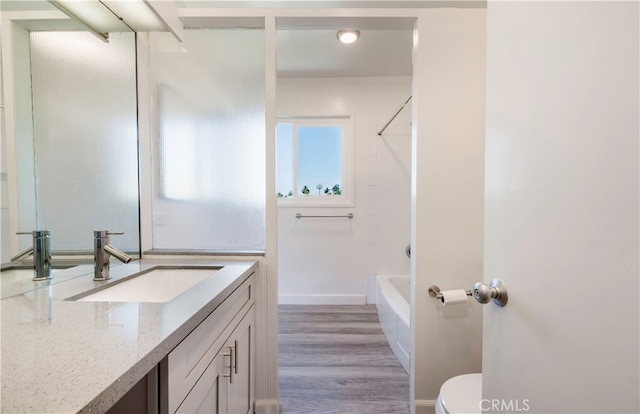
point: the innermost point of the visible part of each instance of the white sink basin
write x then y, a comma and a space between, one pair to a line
156, 285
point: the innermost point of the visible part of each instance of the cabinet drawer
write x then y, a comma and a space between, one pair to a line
190, 358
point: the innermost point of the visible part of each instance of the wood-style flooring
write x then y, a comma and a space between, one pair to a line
335, 359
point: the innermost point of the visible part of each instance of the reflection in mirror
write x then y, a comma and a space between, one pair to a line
76, 138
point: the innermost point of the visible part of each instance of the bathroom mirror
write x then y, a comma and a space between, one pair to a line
73, 124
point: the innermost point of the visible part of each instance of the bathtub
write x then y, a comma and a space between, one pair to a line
393, 295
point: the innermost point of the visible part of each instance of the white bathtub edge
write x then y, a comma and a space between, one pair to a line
393, 313
397, 302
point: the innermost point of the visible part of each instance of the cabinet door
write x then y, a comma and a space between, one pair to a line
208, 396
240, 392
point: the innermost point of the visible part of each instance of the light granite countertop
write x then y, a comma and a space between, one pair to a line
61, 356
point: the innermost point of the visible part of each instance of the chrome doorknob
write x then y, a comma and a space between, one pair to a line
496, 291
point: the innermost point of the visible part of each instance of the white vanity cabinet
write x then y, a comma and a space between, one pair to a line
225, 386
212, 369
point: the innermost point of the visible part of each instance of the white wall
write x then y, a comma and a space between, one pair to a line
447, 196
331, 260
393, 216
562, 203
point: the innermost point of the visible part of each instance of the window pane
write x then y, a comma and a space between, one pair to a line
319, 158
209, 173
284, 160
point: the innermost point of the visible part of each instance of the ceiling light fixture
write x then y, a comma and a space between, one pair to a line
348, 36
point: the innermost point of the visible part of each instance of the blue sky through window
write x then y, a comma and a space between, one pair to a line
319, 158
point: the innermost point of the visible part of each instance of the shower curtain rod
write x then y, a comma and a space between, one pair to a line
394, 115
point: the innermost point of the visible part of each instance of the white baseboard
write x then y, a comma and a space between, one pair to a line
424, 407
321, 299
266, 407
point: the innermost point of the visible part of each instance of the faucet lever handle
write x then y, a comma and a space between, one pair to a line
106, 233
36, 233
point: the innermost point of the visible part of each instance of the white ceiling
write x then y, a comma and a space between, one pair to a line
318, 53
308, 47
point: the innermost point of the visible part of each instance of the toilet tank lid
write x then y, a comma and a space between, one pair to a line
462, 394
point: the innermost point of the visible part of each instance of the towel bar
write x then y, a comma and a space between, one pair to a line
299, 215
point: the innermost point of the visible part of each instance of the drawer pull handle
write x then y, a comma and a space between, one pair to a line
235, 353
230, 366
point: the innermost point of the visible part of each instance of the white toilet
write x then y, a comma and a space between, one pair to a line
460, 395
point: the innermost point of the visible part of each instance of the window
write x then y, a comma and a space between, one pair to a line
312, 161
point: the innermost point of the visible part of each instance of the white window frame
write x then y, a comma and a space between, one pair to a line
346, 198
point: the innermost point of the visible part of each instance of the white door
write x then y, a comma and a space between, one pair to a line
561, 223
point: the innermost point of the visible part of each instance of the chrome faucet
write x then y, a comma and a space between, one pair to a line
102, 252
41, 251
